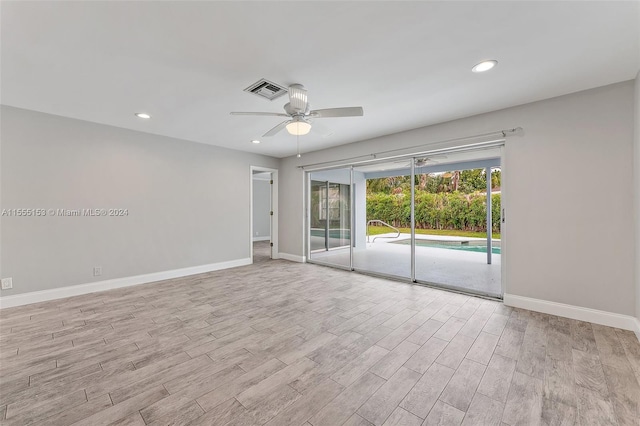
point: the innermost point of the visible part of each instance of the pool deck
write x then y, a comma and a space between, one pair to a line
464, 270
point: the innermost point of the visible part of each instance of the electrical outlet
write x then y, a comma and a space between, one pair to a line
7, 283
257, 233
97, 271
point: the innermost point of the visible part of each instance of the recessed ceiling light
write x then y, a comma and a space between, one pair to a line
484, 66
142, 115
255, 141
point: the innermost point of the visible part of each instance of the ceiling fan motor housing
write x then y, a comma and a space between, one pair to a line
289, 109
298, 100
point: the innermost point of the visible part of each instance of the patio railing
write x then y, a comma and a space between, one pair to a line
385, 224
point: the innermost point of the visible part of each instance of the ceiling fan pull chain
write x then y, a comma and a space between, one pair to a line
298, 145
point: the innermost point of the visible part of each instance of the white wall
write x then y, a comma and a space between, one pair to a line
188, 203
261, 209
569, 199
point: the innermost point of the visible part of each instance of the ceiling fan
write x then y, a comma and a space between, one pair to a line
424, 161
301, 118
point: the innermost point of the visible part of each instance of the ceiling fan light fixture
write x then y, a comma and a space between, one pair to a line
298, 127
484, 66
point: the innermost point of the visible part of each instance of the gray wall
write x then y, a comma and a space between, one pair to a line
568, 199
189, 203
261, 208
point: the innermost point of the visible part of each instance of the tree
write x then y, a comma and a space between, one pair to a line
496, 178
465, 181
472, 180
455, 180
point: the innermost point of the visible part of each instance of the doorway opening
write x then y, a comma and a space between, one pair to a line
264, 215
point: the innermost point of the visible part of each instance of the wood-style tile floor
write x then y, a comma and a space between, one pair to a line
281, 343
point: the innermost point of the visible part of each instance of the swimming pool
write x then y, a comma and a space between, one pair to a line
475, 246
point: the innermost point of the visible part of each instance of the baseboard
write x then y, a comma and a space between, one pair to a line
261, 238
625, 322
76, 290
292, 257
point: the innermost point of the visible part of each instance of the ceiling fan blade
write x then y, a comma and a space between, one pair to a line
298, 98
337, 112
430, 160
403, 163
320, 128
276, 129
270, 114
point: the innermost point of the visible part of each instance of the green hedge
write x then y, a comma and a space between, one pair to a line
446, 210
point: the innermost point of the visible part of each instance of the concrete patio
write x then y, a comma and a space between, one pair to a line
463, 270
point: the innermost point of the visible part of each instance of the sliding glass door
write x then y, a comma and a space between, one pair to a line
427, 219
330, 207
385, 247
454, 208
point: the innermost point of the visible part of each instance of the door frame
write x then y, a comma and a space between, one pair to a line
274, 209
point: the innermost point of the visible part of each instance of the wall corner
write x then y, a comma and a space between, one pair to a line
636, 192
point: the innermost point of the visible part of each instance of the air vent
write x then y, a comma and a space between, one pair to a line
266, 89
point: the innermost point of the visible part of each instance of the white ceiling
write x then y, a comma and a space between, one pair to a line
407, 63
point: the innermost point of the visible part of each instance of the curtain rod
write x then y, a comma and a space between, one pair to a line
380, 155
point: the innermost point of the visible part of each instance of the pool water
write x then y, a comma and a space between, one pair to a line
475, 246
